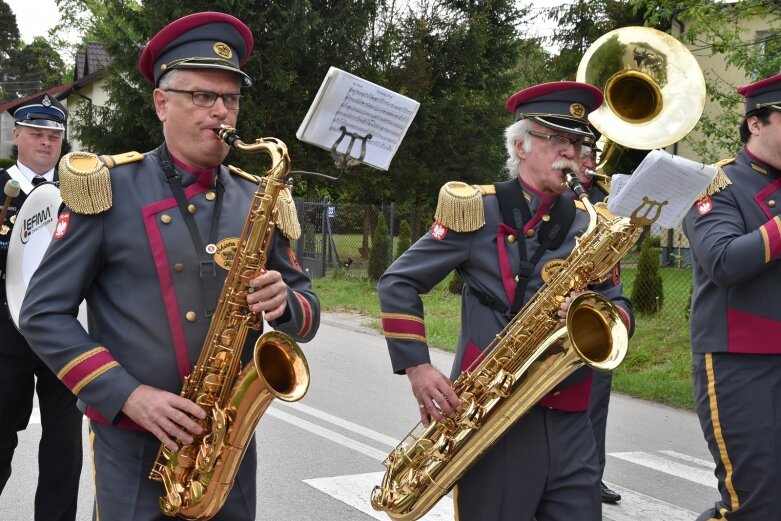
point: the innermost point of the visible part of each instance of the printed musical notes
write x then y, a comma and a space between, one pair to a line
363, 109
670, 182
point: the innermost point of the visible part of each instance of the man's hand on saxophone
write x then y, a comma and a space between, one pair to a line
434, 393
269, 295
166, 415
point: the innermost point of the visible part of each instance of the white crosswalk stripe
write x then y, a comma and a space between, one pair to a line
698, 474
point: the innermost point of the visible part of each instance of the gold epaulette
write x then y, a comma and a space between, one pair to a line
720, 182
85, 182
287, 217
460, 206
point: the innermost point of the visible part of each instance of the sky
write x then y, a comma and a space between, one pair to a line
36, 17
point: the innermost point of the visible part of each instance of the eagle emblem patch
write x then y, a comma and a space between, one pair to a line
704, 205
438, 230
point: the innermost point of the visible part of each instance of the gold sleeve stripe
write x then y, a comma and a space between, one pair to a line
79, 359
91, 376
402, 316
718, 434
405, 336
765, 243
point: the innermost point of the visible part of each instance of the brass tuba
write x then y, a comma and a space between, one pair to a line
654, 92
198, 477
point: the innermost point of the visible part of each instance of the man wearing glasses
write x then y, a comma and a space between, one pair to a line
504, 240
141, 244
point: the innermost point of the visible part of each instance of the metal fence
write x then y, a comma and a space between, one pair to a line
336, 241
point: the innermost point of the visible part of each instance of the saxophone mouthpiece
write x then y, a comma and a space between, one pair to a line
570, 170
228, 134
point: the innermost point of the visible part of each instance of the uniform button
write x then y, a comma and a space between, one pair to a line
191, 316
530, 233
546, 217
556, 393
178, 266
511, 239
517, 278
771, 203
192, 209
165, 218
209, 196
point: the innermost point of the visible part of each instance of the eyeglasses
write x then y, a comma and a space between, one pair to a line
589, 149
207, 99
560, 142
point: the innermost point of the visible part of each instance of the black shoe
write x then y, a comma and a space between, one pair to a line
608, 495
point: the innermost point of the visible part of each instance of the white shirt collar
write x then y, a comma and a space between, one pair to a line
25, 176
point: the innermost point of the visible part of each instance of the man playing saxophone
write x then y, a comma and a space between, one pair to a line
505, 241
141, 243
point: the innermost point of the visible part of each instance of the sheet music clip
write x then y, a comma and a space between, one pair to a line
342, 160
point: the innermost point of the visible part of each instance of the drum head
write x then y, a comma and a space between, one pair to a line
32, 232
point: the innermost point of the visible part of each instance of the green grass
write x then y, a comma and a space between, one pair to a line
657, 365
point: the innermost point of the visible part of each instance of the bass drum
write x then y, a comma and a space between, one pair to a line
33, 229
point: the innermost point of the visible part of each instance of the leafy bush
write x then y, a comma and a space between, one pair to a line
378, 252
648, 290
456, 284
404, 240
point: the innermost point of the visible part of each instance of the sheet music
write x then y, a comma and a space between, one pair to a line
668, 181
362, 107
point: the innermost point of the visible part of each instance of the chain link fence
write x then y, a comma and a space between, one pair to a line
337, 240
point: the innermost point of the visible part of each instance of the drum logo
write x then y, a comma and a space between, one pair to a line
34, 223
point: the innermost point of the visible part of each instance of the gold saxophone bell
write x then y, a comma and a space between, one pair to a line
654, 92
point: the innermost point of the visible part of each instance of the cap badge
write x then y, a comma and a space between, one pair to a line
223, 50
46, 102
577, 110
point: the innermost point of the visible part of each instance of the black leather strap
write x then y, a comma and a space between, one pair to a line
206, 265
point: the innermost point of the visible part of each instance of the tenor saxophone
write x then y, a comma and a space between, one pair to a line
198, 477
530, 356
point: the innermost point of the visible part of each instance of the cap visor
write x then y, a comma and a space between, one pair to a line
41, 123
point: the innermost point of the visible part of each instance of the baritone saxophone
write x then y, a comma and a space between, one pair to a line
198, 477
532, 354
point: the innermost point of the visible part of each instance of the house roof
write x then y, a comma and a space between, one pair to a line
54, 92
91, 59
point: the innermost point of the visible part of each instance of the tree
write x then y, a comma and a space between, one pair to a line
31, 68
9, 31
581, 23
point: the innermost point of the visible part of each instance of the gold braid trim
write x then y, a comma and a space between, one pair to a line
460, 207
720, 182
287, 218
85, 183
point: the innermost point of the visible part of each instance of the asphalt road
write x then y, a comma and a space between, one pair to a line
320, 457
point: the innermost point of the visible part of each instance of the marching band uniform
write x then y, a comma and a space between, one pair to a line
530, 470
735, 237
134, 262
22, 373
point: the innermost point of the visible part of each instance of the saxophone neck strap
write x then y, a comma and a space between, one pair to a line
206, 266
515, 213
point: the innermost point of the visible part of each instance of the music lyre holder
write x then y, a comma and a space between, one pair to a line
342, 160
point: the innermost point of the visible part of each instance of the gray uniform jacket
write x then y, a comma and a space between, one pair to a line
486, 260
735, 238
137, 267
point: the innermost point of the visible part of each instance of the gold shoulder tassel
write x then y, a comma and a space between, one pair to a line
85, 183
460, 207
720, 182
287, 218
